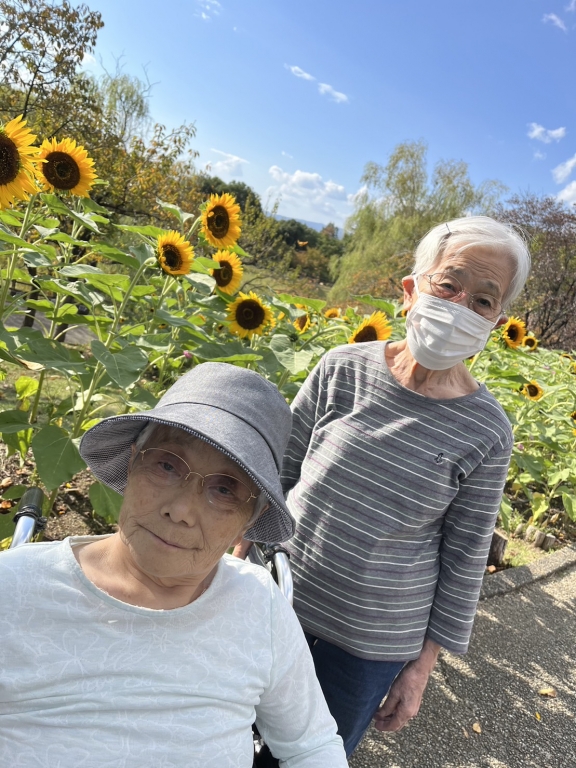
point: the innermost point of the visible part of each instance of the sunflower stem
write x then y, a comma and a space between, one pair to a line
474, 361
14, 256
194, 227
283, 379
34, 411
120, 312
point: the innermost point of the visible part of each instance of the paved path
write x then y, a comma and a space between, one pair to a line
523, 642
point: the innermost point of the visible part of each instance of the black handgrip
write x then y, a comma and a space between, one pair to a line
31, 504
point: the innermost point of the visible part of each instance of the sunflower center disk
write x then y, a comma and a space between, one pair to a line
172, 257
367, 334
9, 160
61, 170
223, 275
250, 315
219, 221
532, 390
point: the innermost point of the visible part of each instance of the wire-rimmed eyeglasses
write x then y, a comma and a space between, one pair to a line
446, 286
167, 469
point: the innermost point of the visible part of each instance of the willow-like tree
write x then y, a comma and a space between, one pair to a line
548, 302
400, 203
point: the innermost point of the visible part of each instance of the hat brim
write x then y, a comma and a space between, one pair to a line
106, 448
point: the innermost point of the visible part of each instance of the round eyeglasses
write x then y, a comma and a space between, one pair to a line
446, 286
166, 469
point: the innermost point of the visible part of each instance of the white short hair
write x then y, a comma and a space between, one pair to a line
471, 231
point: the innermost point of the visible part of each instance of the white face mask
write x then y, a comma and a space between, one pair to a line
441, 333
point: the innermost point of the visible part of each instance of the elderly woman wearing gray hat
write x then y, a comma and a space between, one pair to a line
152, 646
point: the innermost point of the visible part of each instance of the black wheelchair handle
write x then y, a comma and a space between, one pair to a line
30, 504
29, 518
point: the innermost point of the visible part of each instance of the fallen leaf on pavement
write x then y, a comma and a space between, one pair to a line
551, 692
477, 728
6, 483
491, 569
466, 734
538, 716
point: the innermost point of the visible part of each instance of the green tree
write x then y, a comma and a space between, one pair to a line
42, 45
548, 303
400, 204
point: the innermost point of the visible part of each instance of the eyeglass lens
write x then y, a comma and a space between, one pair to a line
165, 468
447, 287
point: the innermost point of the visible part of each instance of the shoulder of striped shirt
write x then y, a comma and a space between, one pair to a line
369, 352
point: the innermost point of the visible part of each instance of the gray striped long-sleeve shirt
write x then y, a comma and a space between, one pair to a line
395, 496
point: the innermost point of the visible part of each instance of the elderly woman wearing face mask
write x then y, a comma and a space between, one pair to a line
394, 473
152, 646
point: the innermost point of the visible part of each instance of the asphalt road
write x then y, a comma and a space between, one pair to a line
523, 642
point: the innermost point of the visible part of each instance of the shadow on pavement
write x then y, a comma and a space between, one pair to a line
522, 643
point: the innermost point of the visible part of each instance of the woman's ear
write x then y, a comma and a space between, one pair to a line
409, 292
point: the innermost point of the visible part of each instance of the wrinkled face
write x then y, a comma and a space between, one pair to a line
479, 271
171, 531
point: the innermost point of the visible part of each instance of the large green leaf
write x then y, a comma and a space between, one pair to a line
234, 351
143, 252
105, 502
56, 455
181, 215
57, 206
115, 254
147, 230
12, 422
316, 304
52, 354
35, 259
295, 361
385, 306
123, 367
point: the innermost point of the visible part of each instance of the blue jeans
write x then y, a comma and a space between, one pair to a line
353, 687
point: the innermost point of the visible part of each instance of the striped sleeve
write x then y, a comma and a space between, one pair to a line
466, 537
307, 409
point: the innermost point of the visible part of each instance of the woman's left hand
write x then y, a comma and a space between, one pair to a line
405, 696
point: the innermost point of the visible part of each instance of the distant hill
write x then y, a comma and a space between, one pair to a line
312, 224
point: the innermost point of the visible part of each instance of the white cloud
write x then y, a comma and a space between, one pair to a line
568, 194
571, 6
563, 171
336, 96
540, 133
323, 88
307, 195
88, 60
300, 72
285, 154
539, 155
208, 9
358, 196
230, 165
556, 20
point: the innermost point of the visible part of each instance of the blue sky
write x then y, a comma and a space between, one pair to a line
294, 97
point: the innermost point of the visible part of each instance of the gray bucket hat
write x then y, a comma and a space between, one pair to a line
233, 409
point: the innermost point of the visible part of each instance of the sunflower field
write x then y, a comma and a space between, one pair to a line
99, 318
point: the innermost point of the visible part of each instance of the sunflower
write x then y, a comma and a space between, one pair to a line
220, 221
375, 328
573, 415
403, 312
532, 390
302, 323
333, 312
174, 253
66, 167
514, 332
248, 315
229, 276
16, 163
530, 342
